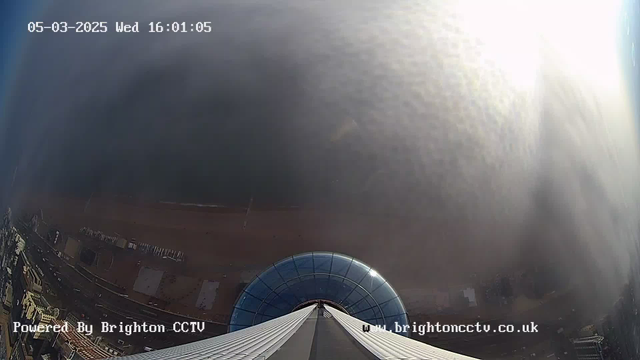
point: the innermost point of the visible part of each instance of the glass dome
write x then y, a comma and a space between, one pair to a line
340, 280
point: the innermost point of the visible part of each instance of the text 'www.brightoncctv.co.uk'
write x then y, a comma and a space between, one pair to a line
428, 327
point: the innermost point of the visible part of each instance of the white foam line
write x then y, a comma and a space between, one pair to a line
193, 204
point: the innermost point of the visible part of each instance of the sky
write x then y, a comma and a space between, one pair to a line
426, 109
630, 40
14, 16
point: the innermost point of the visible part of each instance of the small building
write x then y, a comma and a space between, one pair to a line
589, 348
587, 331
8, 296
73, 345
71, 248
37, 310
18, 352
470, 294
121, 243
33, 280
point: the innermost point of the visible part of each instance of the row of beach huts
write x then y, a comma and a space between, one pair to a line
132, 244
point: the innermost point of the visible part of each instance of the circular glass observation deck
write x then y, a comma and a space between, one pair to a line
339, 280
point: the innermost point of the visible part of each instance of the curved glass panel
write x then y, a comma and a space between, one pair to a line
342, 280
